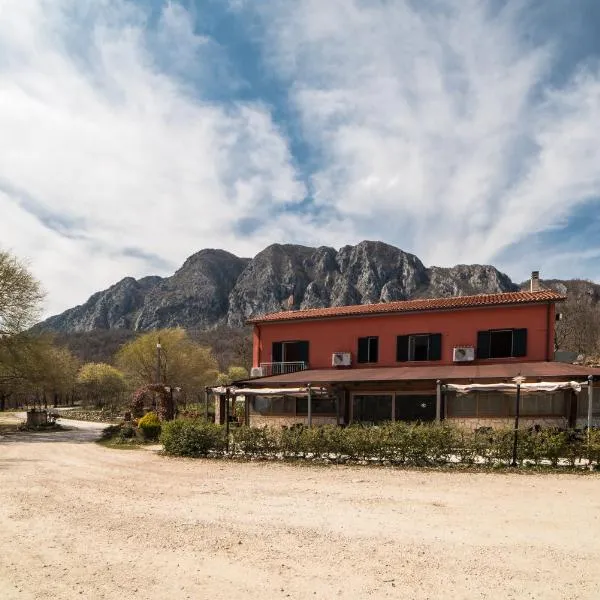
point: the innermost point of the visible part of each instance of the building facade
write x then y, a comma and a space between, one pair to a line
400, 360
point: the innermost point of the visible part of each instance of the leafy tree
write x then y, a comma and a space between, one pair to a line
180, 362
101, 383
233, 374
34, 370
20, 296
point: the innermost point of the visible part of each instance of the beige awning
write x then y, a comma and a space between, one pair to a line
542, 386
242, 391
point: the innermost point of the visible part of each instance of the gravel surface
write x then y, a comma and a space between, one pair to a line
78, 520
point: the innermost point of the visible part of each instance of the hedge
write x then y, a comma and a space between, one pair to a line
392, 443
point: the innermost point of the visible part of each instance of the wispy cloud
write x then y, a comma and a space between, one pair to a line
94, 129
435, 121
439, 126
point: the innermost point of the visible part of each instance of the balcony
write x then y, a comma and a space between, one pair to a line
282, 368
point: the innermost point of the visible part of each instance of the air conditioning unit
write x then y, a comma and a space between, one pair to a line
463, 354
341, 359
256, 372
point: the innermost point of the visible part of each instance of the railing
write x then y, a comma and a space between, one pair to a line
281, 368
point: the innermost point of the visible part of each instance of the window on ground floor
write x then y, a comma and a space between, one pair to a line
289, 405
582, 403
371, 408
498, 404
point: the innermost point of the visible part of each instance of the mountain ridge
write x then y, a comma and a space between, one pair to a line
214, 287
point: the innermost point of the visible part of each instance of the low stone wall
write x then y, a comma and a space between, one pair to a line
581, 422
499, 422
258, 420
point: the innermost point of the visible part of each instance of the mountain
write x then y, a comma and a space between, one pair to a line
215, 288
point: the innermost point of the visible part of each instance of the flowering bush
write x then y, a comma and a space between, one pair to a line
149, 425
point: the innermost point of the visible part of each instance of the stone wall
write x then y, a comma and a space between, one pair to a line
258, 420
499, 422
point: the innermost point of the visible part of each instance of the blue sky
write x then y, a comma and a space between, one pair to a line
138, 132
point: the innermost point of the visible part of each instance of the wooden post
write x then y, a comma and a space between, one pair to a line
438, 401
309, 406
227, 396
590, 406
516, 436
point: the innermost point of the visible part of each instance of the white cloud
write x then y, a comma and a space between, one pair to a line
105, 140
434, 125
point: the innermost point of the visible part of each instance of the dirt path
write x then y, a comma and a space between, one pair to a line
81, 521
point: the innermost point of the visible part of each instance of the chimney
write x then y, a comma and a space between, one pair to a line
289, 303
535, 281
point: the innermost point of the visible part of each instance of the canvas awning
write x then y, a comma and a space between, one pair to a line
542, 386
243, 391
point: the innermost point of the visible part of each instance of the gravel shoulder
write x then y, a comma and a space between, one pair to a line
80, 520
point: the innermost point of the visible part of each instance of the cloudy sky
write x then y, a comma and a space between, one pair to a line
134, 133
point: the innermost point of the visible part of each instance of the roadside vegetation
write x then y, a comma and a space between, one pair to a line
404, 444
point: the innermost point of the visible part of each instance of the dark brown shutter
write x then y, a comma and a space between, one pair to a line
363, 350
483, 344
373, 349
402, 348
519, 342
277, 352
303, 352
435, 346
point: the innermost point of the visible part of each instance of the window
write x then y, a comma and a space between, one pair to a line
288, 405
368, 349
274, 405
417, 347
294, 351
502, 343
498, 404
371, 408
319, 406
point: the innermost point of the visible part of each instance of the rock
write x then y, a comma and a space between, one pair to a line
214, 287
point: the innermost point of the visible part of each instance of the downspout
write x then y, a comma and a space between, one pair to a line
548, 325
258, 338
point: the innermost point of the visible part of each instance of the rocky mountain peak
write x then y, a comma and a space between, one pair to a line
215, 287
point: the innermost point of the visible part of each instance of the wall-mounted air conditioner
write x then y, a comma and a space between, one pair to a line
256, 372
341, 359
463, 354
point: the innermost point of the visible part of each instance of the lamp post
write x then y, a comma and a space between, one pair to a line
158, 347
518, 380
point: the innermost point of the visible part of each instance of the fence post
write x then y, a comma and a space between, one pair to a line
309, 406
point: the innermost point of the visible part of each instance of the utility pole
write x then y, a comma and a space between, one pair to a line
158, 347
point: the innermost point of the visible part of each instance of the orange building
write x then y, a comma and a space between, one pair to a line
407, 360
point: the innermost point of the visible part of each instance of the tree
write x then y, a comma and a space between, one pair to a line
20, 296
34, 370
101, 383
579, 327
233, 374
179, 362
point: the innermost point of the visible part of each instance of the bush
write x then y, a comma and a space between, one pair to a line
192, 438
409, 444
149, 425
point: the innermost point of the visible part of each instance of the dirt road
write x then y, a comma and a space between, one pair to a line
81, 521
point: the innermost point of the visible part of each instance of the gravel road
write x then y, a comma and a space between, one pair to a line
81, 521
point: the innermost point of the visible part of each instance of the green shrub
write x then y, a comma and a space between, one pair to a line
255, 441
192, 438
149, 425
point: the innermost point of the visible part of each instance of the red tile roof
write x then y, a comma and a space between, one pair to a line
423, 304
445, 373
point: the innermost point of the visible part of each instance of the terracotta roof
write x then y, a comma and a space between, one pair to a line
445, 373
423, 304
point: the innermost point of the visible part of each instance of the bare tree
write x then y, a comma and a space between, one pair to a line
579, 328
20, 295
